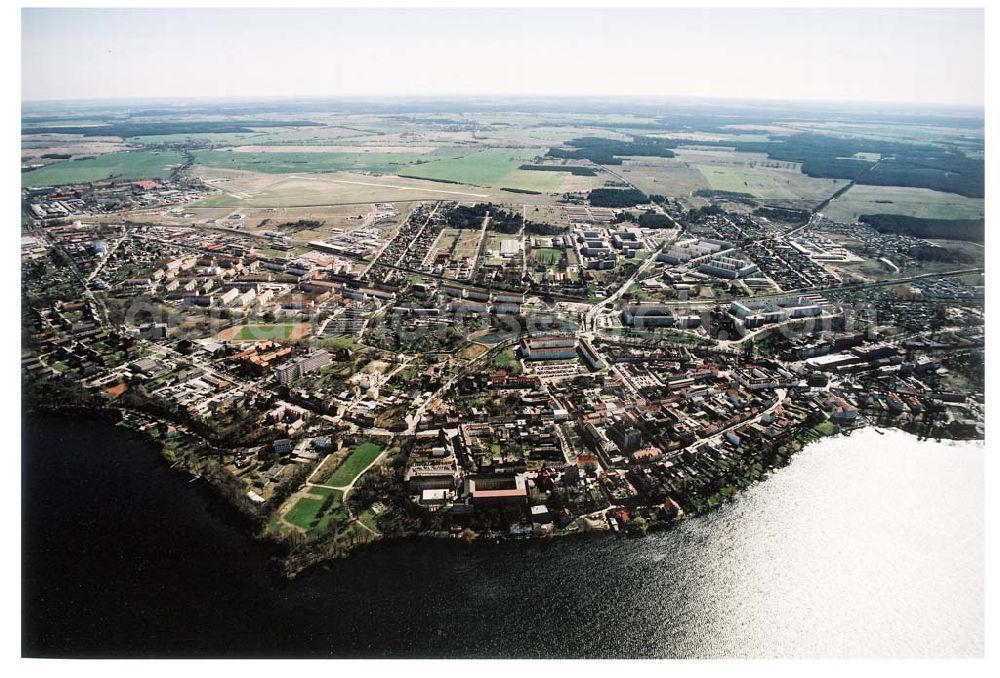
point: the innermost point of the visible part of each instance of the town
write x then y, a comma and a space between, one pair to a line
423, 358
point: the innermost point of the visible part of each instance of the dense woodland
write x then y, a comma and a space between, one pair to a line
973, 230
129, 129
576, 170
617, 197
940, 168
605, 151
920, 166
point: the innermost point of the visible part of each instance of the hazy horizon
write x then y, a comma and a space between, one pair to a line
808, 56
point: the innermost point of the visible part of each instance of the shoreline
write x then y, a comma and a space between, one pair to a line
291, 564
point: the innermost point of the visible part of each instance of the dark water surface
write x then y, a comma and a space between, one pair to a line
870, 545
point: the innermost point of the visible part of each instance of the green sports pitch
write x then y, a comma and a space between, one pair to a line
277, 332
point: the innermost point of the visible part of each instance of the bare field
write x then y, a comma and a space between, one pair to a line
665, 176
34, 146
548, 214
473, 351
242, 190
260, 220
250, 333
457, 242
250, 189
754, 173
572, 183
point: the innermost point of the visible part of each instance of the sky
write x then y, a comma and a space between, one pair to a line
919, 56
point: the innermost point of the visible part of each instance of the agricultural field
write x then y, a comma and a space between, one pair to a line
916, 134
134, 165
912, 202
744, 180
272, 135
492, 168
34, 146
284, 162
674, 177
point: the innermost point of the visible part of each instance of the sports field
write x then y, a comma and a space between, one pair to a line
265, 332
134, 165
360, 457
549, 256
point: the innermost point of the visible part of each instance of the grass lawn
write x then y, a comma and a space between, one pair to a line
317, 509
826, 428
133, 165
368, 520
360, 457
507, 360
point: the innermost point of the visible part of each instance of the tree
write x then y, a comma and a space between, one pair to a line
637, 526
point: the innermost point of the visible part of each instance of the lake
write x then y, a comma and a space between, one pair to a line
869, 545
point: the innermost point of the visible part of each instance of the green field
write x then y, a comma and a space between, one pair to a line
265, 332
317, 509
133, 165
912, 202
526, 180
495, 168
290, 163
360, 457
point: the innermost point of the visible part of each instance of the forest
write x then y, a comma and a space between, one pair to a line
617, 197
972, 230
127, 130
